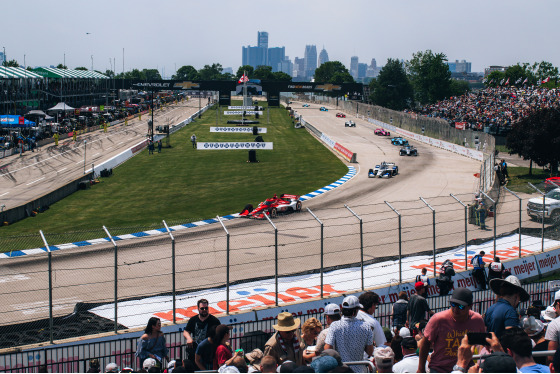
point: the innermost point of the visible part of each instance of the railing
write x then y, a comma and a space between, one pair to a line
245, 335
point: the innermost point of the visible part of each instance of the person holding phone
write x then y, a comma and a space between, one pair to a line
445, 331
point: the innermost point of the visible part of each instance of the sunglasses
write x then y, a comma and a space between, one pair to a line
203, 308
455, 305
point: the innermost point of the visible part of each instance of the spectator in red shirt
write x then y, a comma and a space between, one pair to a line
446, 329
224, 355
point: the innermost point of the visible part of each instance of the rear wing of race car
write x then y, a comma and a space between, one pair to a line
287, 196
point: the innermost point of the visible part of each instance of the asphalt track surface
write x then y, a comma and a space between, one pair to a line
86, 274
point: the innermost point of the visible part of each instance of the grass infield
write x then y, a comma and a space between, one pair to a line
519, 178
181, 184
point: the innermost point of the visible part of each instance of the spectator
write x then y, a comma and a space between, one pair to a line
445, 331
384, 359
495, 270
268, 364
324, 364
555, 364
159, 146
206, 351
518, 345
418, 308
284, 345
478, 272
481, 211
223, 355
549, 314
399, 311
445, 281
111, 368
497, 362
310, 331
350, 335
332, 313
193, 140
150, 365
369, 301
409, 362
535, 329
152, 343
423, 277
503, 168
287, 367
170, 366
254, 359
198, 328
94, 366
397, 349
503, 315
404, 332
553, 328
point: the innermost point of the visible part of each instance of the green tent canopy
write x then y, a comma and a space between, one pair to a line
68, 73
13, 72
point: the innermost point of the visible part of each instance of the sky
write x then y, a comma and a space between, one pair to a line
168, 34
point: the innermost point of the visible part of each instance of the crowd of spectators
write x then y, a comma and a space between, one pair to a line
495, 107
350, 338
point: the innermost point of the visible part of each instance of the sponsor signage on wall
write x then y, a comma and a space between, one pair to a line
234, 145
240, 112
247, 130
238, 107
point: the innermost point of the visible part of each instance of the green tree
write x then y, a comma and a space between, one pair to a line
264, 73
543, 70
281, 76
109, 73
247, 69
459, 87
11, 63
537, 137
187, 73
430, 76
211, 72
494, 78
135, 74
81, 68
60, 66
333, 72
392, 89
151, 74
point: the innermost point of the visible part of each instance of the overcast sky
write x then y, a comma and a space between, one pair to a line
167, 34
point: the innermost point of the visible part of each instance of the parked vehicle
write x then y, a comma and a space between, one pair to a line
551, 207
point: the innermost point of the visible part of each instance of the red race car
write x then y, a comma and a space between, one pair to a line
551, 183
382, 132
340, 115
273, 206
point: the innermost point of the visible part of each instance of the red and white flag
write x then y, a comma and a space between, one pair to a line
507, 82
546, 80
244, 78
526, 80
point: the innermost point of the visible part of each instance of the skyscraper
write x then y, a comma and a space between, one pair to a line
263, 39
310, 60
323, 56
275, 56
299, 68
354, 67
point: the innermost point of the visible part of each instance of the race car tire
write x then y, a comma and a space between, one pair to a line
273, 213
248, 208
298, 206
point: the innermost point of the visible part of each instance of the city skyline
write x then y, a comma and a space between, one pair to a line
484, 33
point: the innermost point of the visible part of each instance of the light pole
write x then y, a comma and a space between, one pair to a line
85, 149
92, 63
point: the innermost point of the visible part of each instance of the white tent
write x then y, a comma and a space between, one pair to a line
60, 107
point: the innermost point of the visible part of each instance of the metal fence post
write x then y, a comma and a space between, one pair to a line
400, 240
361, 244
466, 227
543, 214
173, 272
227, 264
495, 216
275, 258
520, 216
433, 229
50, 287
116, 278
322, 248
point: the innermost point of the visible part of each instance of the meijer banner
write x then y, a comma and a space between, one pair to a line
234, 145
248, 130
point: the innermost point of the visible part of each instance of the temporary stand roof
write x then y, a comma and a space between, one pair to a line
13, 72
60, 107
68, 73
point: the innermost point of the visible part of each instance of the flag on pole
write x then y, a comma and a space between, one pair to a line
502, 82
526, 80
518, 81
546, 80
507, 82
244, 78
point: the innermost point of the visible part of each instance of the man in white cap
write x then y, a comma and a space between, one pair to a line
284, 344
553, 329
111, 368
332, 314
350, 336
503, 314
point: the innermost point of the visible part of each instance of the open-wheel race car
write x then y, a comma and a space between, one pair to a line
381, 132
408, 150
340, 115
399, 141
305, 105
323, 109
384, 170
349, 124
273, 206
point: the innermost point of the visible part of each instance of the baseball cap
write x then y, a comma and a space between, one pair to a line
333, 353
462, 296
331, 310
404, 332
111, 368
351, 302
324, 364
149, 363
409, 343
498, 362
419, 285
557, 295
384, 357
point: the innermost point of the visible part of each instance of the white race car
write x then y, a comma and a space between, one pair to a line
384, 170
349, 124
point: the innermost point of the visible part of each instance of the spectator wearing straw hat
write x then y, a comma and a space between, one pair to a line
350, 336
284, 344
503, 314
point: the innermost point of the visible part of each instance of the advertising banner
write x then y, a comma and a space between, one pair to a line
240, 112
234, 145
328, 141
245, 130
348, 155
237, 107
